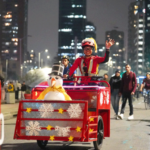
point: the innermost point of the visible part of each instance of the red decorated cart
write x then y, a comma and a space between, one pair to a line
84, 119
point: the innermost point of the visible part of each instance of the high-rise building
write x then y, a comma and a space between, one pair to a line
147, 36
13, 33
117, 50
72, 21
136, 31
90, 30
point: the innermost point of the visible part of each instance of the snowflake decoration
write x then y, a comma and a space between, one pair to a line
104, 97
74, 110
45, 110
33, 128
62, 131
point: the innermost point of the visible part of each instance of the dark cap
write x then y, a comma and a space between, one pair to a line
117, 71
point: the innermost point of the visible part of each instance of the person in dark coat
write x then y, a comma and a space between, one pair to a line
115, 83
23, 89
127, 90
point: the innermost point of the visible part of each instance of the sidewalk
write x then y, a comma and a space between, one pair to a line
9, 110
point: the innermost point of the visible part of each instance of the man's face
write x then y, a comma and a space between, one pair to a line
105, 76
128, 68
148, 76
65, 62
87, 50
117, 74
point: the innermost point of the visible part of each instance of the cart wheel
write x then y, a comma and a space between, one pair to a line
42, 143
100, 135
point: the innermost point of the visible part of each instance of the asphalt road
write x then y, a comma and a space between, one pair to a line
125, 135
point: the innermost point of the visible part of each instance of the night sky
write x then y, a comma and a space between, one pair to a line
43, 21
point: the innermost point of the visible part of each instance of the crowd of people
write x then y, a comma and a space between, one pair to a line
13, 86
125, 87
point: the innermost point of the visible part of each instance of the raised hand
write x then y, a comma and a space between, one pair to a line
109, 43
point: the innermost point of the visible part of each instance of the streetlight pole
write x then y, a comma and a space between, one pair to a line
20, 48
41, 60
6, 68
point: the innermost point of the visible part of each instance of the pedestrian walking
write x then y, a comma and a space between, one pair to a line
23, 89
127, 90
115, 83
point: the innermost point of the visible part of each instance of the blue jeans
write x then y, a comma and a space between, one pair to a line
115, 100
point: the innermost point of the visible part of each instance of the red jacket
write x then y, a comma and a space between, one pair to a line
128, 83
92, 64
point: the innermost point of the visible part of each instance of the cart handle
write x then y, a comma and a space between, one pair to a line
2, 129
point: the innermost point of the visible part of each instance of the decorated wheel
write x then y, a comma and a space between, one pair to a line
42, 143
100, 135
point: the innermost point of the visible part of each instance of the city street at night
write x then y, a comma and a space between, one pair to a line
125, 135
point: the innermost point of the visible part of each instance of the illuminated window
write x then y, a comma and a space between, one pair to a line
7, 51
140, 31
140, 37
8, 16
65, 30
140, 20
148, 5
140, 66
140, 43
148, 18
101, 50
148, 24
15, 39
7, 24
108, 35
16, 5
15, 28
31, 55
16, 43
140, 54
7, 43
140, 60
120, 50
120, 36
75, 16
135, 12
140, 25
15, 51
134, 25
135, 7
140, 49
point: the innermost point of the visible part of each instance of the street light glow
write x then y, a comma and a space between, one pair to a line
48, 57
117, 43
46, 50
32, 51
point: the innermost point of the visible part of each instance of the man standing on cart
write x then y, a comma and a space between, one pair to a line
89, 64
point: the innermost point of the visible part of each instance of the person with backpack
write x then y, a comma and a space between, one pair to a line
127, 90
115, 83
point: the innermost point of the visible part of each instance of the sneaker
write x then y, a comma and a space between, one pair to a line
117, 118
131, 117
120, 116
